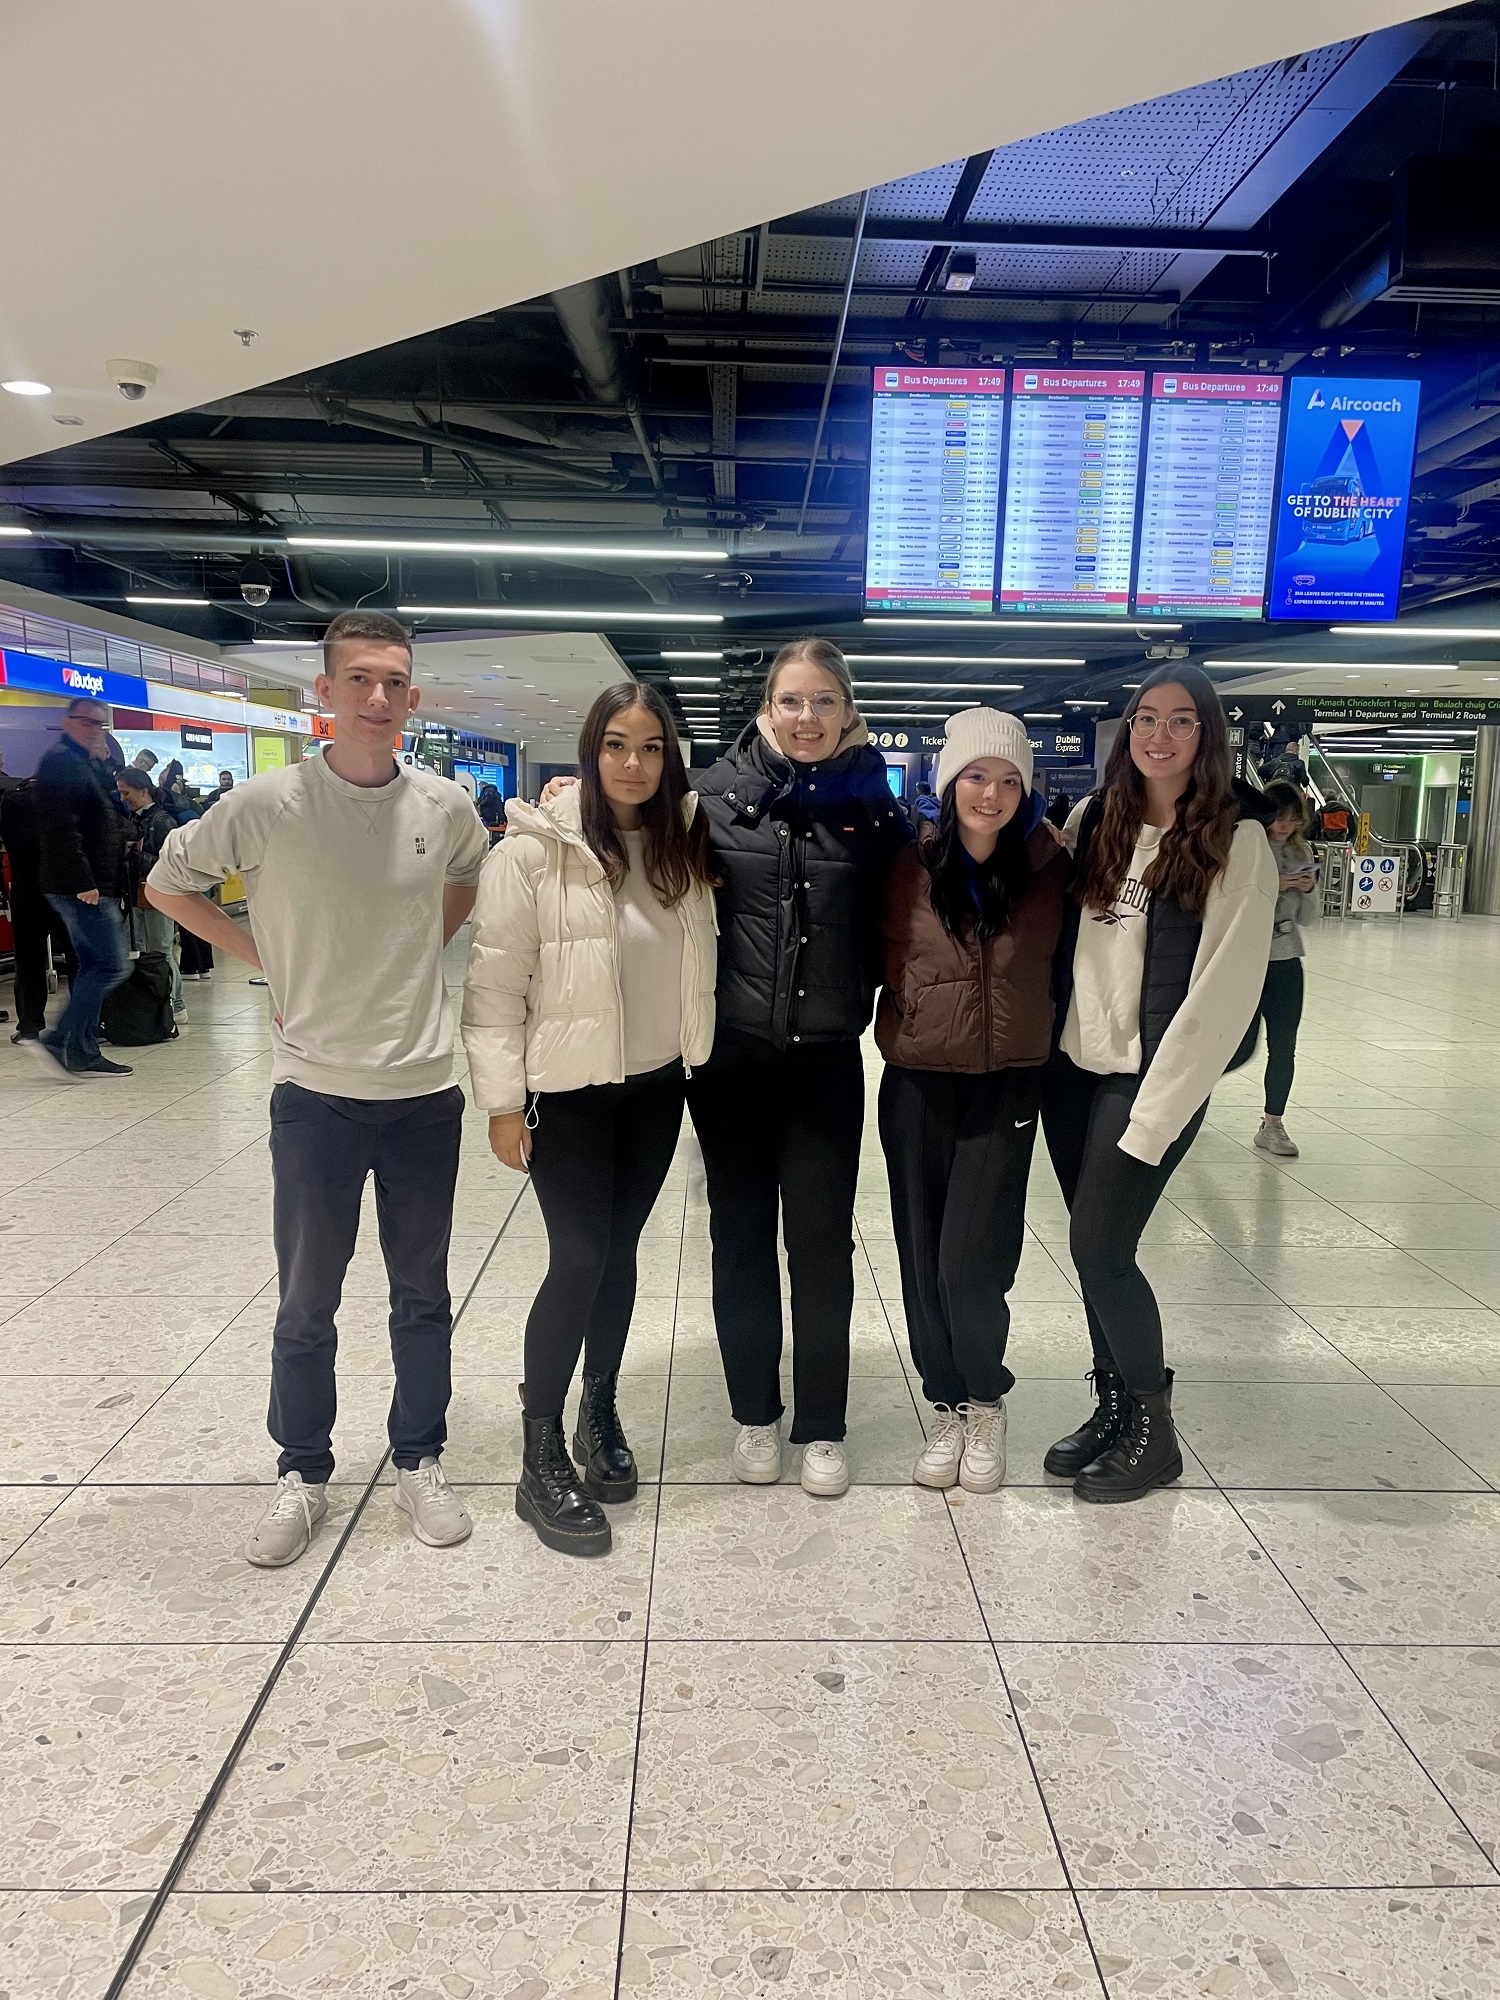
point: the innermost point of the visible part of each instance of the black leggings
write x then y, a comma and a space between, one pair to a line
958, 1154
599, 1157
1110, 1196
783, 1126
1281, 1005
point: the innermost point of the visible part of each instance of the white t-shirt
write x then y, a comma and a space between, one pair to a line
649, 939
1103, 1030
345, 886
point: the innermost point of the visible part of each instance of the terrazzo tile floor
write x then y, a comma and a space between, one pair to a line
1241, 1740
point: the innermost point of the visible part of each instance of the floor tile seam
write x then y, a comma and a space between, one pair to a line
412, 1895
64, 1494
208, 1805
1026, 1749
1348, 1664
1384, 1388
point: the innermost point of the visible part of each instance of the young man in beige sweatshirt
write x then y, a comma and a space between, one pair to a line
358, 870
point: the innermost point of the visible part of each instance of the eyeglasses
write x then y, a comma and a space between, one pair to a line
823, 706
1179, 727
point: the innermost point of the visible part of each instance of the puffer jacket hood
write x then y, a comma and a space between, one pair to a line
803, 851
542, 1008
959, 1005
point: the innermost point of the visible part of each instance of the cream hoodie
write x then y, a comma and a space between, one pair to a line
542, 1005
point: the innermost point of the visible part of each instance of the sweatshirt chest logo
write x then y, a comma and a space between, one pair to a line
1133, 900
421, 843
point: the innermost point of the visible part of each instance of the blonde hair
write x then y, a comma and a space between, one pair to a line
820, 653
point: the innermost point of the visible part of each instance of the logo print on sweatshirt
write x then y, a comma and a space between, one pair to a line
421, 843
1133, 901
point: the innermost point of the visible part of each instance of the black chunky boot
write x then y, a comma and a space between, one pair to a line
1079, 1448
599, 1443
1145, 1454
550, 1497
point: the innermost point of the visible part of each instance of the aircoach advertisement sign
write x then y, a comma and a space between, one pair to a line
1345, 495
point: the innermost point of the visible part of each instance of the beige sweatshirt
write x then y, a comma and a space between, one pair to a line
345, 885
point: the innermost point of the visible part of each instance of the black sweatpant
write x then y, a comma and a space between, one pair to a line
958, 1154
1110, 1196
783, 1126
1281, 1006
322, 1149
599, 1157
34, 920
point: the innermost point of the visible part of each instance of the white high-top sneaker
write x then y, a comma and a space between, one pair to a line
982, 1469
757, 1454
938, 1464
825, 1469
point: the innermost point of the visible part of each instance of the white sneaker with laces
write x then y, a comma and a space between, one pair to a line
825, 1469
1273, 1137
438, 1517
938, 1464
285, 1530
757, 1454
982, 1469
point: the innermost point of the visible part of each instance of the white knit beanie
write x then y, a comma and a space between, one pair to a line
982, 732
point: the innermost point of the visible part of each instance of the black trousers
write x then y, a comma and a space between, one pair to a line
1281, 1007
599, 1157
958, 1154
1110, 1198
783, 1128
322, 1150
195, 954
34, 920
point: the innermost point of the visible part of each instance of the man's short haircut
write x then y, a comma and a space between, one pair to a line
95, 709
376, 625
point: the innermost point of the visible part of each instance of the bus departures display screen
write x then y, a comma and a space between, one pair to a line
1075, 490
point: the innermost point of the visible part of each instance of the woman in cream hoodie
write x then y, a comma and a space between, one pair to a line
590, 993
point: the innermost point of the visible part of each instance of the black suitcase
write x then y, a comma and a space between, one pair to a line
140, 1011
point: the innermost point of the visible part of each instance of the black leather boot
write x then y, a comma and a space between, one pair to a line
550, 1497
1079, 1448
599, 1442
1145, 1454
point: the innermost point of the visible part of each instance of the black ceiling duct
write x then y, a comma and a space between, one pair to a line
1445, 235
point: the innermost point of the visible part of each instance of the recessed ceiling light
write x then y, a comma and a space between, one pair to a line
21, 387
552, 615
678, 552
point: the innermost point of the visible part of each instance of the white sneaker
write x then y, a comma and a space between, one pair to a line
285, 1530
438, 1517
757, 1454
938, 1464
1276, 1139
983, 1466
825, 1469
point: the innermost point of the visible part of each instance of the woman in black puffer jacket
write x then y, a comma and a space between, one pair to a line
803, 832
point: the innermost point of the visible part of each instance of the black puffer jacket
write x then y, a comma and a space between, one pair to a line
83, 831
803, 851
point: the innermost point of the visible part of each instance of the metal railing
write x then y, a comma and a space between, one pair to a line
81, 646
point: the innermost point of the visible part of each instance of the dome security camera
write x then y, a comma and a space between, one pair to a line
132, 378
255, 582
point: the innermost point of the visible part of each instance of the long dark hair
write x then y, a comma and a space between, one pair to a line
975, 900
1195, 848
676, 854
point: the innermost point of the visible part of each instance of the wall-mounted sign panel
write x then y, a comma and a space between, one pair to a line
39, 675
1345, 497
935, 439
1070, 487
1208, 495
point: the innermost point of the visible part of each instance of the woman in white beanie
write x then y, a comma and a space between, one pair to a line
972, 916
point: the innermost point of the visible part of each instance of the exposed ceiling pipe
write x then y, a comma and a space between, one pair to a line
1359, 283
584, 315
833, 359
300, 583
334, 410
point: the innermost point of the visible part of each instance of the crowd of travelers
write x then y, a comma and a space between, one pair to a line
646, 942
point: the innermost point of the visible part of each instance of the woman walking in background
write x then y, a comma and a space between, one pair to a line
1281, 997
1160, 967
972, 915
590, 984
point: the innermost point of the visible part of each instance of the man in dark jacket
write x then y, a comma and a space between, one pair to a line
83, 838
33, 919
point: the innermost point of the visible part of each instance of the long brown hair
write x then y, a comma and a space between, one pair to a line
1195, 848
676, 854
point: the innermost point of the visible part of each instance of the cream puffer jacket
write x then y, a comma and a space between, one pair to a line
542, 1007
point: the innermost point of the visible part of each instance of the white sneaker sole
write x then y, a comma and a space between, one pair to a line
400, 1502
935, 1481
989, 1483
824, 1489
285, 1562
757, 1475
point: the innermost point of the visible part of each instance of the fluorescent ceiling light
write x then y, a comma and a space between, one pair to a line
1041, 715
1338, 666
937, 687
705, 680
131, 598
1415, 631
680, 552
8, 530
958, 660
692, 656
1077, 701
1124, 626
580, 615
24, 388
305, 644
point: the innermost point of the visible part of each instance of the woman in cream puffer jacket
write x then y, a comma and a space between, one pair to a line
542, 1006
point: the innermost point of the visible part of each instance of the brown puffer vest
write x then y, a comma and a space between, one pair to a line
957, 1005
